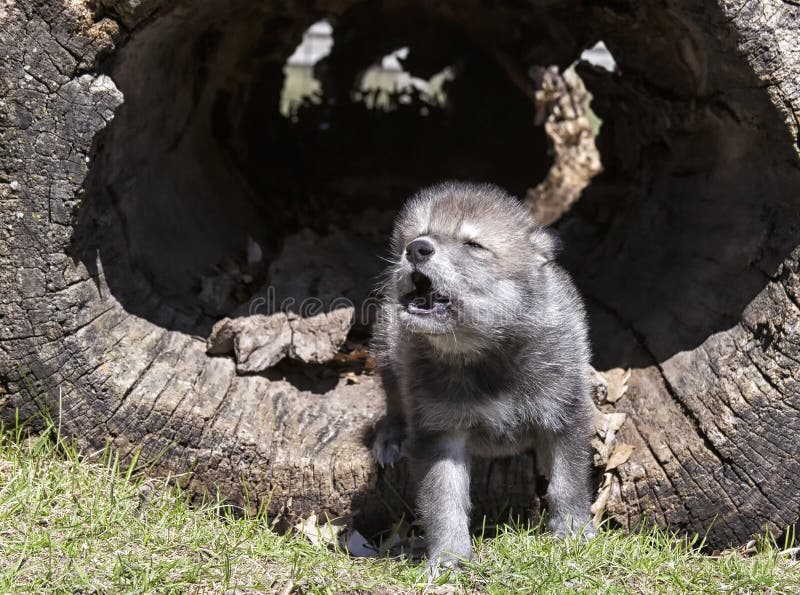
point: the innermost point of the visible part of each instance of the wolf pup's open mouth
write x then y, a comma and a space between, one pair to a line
423, 300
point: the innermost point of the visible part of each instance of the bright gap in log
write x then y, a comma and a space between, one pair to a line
383, 85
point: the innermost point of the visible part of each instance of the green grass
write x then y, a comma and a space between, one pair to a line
83, 524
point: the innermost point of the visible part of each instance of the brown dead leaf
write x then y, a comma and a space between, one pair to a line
621, 453
319, 534
600, 455
600, 385
746, 550
617, 383
607, 424
337, 531
603, 493
403, 541
355, 544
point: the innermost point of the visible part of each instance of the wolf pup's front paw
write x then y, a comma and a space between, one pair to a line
566, 527
440, 564
389, 445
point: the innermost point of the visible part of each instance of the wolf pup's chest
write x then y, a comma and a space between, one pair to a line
459, 400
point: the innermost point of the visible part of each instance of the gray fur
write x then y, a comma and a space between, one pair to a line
505, 368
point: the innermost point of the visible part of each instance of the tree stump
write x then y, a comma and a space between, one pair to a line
141, 145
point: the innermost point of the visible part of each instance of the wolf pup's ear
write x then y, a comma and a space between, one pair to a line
546, 244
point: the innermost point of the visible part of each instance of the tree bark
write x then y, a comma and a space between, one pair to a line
139, 146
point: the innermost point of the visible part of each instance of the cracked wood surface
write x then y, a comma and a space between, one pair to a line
714, 424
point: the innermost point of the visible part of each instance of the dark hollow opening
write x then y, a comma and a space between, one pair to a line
198, 159
669, 245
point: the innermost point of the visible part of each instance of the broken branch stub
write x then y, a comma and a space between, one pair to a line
260, 341
562, 105
316, 293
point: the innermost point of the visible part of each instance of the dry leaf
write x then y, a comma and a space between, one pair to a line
599, 505
337, 531
600, 386
358, 359
322, 535
283, 516
622, 452
355, 544
746, 550
403, 541
607, 424
749, 548
617, 383
352, 378
600, 456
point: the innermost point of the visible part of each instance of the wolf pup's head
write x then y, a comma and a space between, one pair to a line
467, 260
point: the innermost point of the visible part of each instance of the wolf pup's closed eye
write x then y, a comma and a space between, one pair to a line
483, 351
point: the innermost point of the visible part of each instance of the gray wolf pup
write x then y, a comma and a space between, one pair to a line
483, 351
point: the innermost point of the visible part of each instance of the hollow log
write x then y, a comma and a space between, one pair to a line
141, 146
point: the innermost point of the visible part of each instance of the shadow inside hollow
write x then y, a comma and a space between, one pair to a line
194, 165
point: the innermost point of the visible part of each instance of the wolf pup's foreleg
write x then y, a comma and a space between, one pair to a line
441, 465
569, 492
389, 442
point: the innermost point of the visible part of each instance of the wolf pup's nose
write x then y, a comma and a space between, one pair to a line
419, 251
